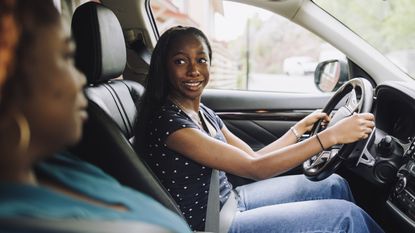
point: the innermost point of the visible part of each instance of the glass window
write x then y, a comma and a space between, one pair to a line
253, 49
387, 25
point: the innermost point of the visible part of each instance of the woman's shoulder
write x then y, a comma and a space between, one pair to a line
167, 119
166, 115
168, 110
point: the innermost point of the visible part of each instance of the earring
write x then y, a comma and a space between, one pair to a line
24, 131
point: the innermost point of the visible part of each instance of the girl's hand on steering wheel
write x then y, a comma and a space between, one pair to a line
306, 124
353, 128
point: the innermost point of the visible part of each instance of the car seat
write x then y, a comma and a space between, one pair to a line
107, 136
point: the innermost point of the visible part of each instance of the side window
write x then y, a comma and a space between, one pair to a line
253, 49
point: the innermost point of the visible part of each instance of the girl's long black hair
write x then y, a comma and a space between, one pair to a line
158, 85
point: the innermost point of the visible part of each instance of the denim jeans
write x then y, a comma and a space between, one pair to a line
294, 204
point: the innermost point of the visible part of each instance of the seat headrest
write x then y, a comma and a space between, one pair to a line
100, 45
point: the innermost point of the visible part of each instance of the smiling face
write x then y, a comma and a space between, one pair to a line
188, 67
55, 106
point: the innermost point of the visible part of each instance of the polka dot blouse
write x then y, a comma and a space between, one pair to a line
186, 180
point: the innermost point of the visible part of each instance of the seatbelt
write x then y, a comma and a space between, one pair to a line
218, 221
227, 213
212, 210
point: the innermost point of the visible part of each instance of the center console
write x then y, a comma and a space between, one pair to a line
402, 197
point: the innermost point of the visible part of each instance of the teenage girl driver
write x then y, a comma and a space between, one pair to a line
182, 140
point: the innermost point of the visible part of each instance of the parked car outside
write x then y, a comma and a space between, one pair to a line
299, 65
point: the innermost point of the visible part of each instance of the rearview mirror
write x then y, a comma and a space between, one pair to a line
330, 75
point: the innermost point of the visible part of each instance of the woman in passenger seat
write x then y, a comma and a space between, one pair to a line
182, 140
42, 110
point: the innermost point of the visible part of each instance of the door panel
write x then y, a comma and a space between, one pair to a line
244, 128
259, 118
258, 134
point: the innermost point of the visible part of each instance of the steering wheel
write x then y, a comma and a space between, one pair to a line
359, 99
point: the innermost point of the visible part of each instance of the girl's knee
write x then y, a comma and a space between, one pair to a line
340, 188
338, 181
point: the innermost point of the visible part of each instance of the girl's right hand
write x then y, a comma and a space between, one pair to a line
353, 128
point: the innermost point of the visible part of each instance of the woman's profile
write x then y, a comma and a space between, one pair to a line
183, 140
42, 111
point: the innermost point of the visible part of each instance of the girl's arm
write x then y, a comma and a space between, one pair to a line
244, 162
287, 139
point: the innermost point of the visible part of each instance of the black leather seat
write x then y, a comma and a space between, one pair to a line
101, 55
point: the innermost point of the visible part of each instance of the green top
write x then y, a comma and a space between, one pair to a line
42, 202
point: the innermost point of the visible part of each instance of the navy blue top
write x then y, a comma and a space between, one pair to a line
42, 202
186, 180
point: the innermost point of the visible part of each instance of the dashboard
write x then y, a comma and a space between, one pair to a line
387, 158
395, 111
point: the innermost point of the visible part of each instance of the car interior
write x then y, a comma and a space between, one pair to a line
114, 39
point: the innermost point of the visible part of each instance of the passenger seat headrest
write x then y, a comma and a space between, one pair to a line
100, 45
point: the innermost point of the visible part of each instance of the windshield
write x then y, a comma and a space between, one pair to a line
388, 25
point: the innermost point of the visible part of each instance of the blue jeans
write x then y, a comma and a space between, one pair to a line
295, 204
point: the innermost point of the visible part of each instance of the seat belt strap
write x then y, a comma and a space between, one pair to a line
212, 211
213, 205
227, 213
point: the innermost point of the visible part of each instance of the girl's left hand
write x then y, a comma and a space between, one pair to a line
306, 124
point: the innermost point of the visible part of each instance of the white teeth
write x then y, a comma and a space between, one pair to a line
192, 83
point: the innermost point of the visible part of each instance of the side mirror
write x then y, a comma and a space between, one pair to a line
330, 75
